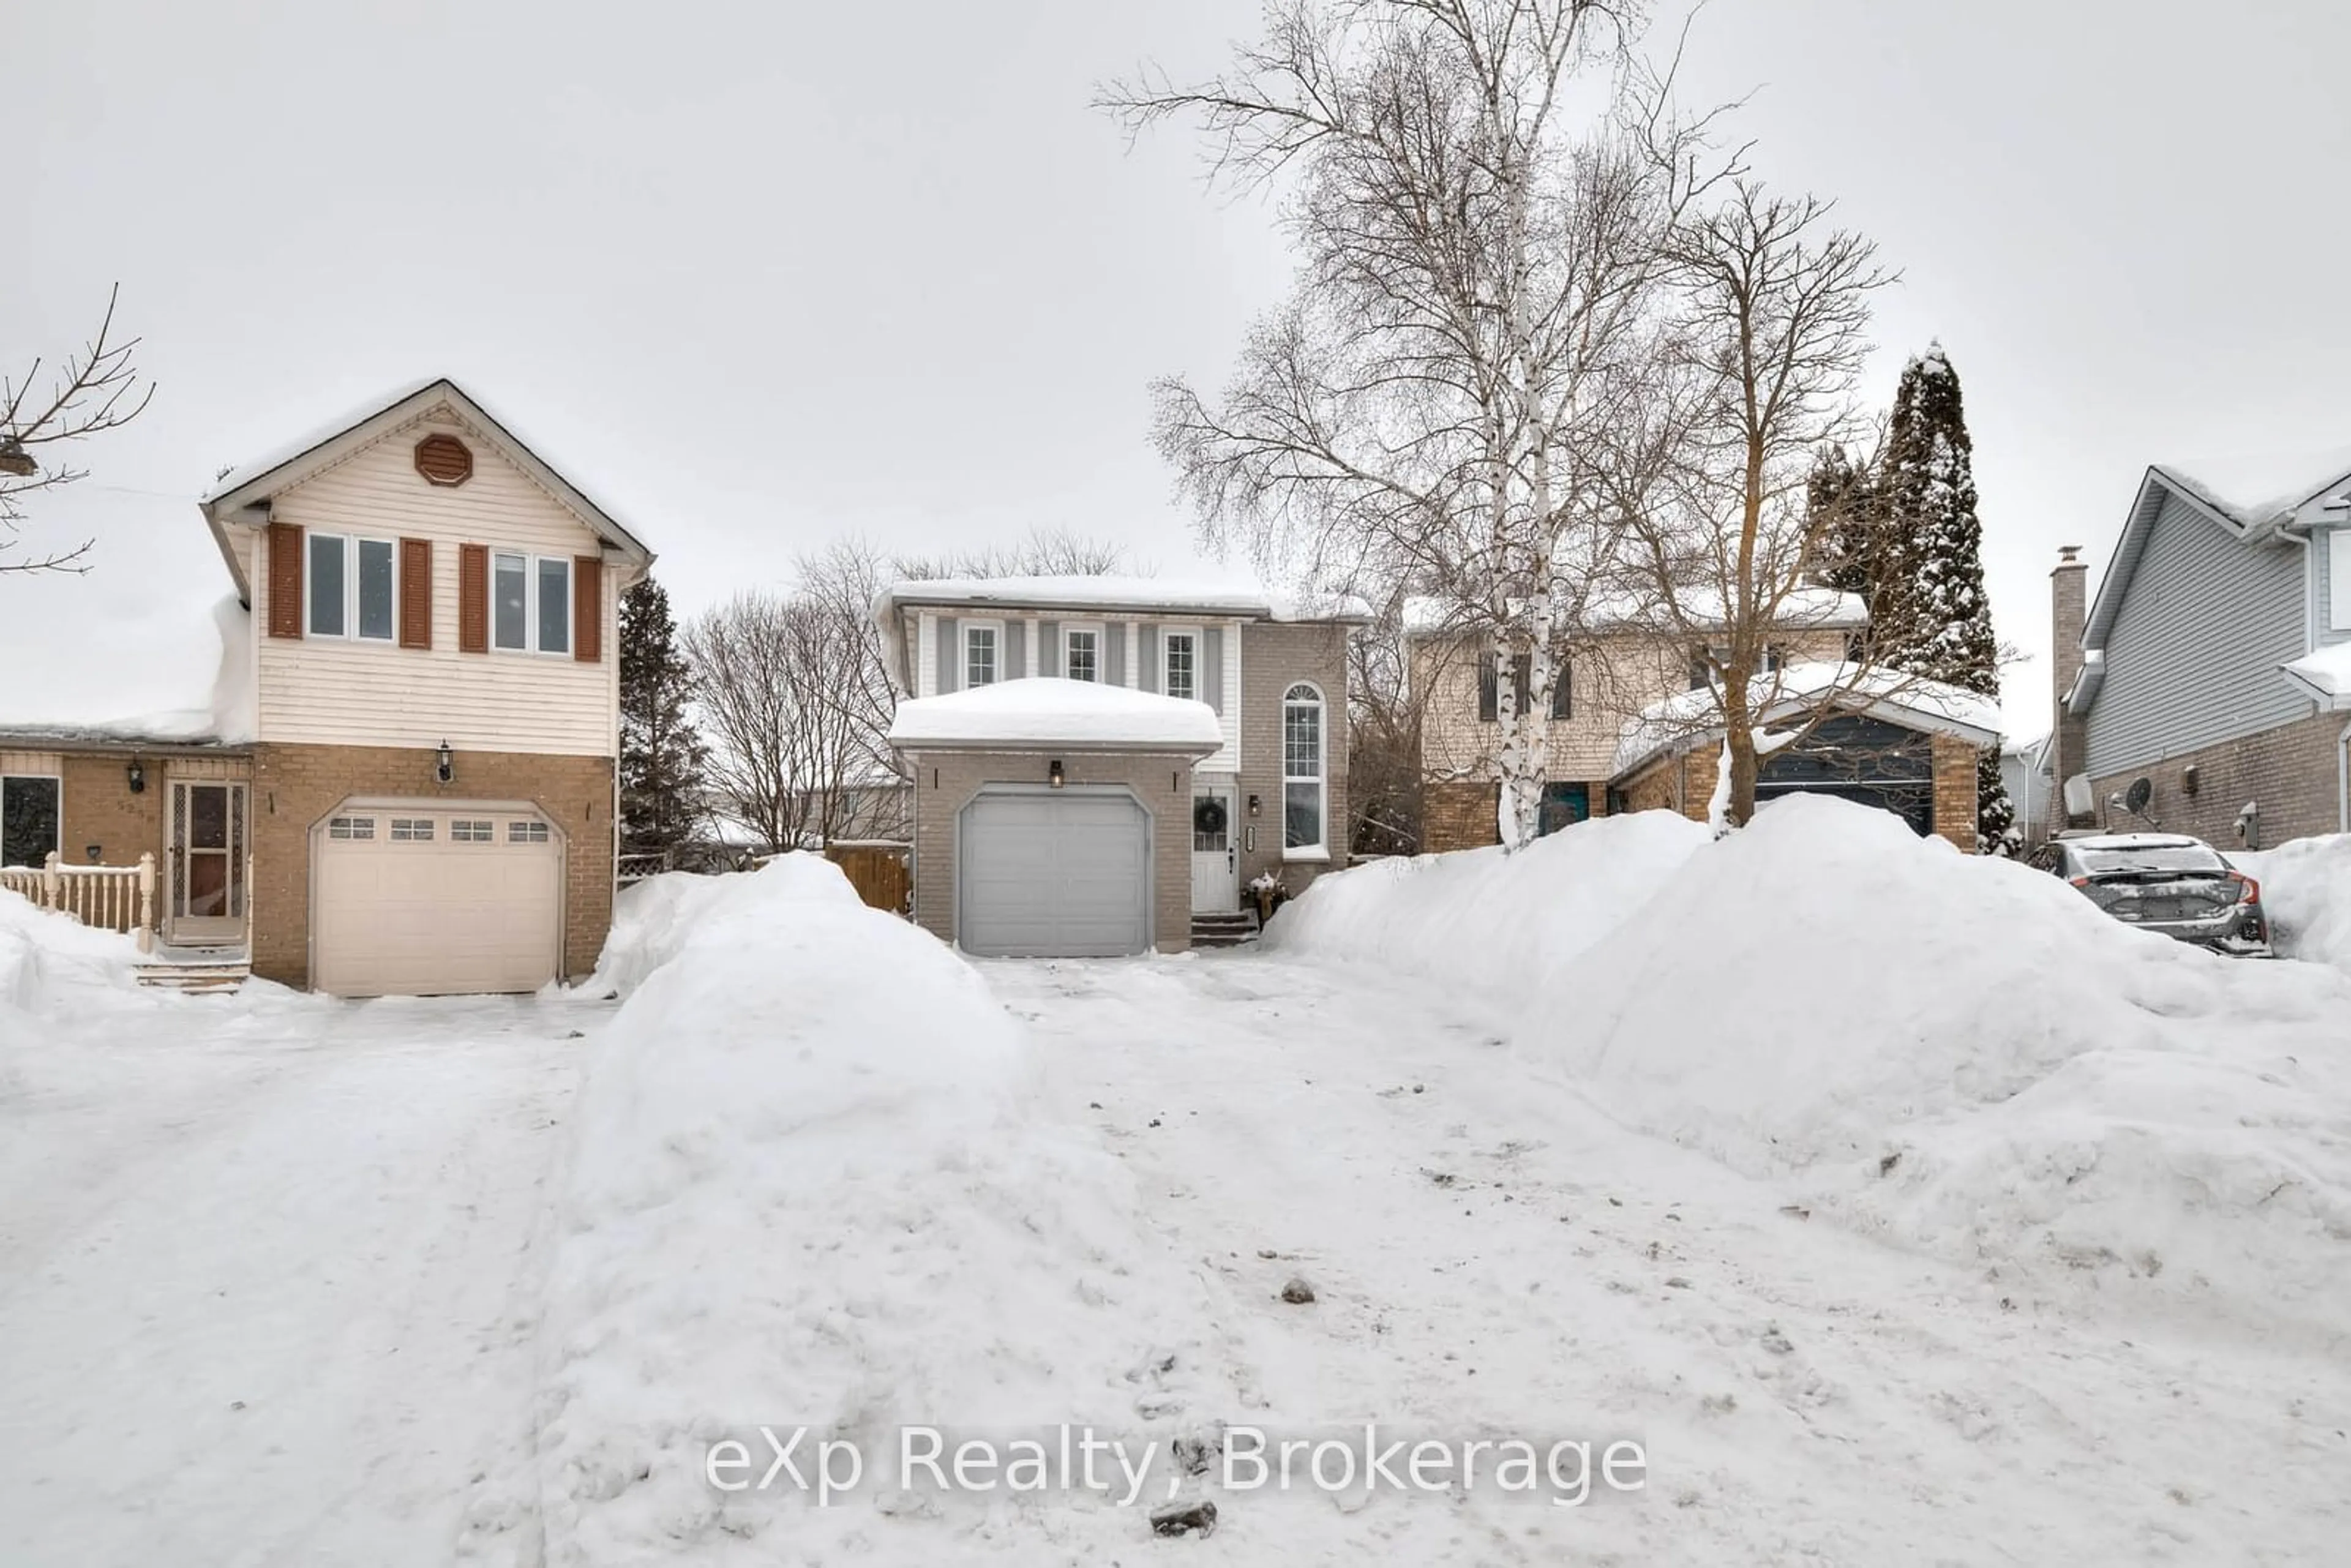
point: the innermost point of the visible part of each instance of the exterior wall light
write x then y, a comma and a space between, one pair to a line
1257, 805
1053, 775
444, 764
136, 774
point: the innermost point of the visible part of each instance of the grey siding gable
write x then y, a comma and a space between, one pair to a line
2193, 658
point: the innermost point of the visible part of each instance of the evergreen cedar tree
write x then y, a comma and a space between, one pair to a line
1904, 535
660, 753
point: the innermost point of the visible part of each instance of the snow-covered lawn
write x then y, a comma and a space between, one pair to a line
1592, 1144
1493, 1253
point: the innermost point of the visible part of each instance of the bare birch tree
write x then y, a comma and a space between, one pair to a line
1478, 262
93, 391
1755, 377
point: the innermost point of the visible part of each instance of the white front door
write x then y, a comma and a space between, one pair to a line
1215, 885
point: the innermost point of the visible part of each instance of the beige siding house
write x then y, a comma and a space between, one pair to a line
1104, 766
410, 785
1611, 678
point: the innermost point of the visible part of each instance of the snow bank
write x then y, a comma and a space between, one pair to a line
2307, 888
1959, 1054
813, 1185
51, 963
1496, 923
1965, 1056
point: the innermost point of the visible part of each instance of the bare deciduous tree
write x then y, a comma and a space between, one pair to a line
1385, 707
1044, 552
95, 390
1755, 377
1478, 274
782, 684
796, 695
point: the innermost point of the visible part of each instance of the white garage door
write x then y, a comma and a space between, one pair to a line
424, 900
1059, 875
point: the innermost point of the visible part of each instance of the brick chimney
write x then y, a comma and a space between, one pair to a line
2069, 610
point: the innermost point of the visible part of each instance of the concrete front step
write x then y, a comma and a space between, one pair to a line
1224, 930
195, 968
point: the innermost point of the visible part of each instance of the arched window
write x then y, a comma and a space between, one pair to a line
1305, 798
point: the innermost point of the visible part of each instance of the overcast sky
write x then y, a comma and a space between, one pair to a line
760, 273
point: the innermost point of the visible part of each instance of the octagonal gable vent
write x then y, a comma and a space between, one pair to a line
443, 460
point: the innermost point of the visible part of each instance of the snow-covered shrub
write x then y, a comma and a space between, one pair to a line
812, 1184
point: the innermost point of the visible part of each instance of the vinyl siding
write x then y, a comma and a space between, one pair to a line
1035, 641
2203, 624
333, 691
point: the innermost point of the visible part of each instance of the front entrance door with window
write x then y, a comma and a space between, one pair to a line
205, 901
1215, 885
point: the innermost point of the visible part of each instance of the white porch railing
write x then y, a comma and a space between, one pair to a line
110, 897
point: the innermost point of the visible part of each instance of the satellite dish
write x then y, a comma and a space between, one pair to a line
2134, 798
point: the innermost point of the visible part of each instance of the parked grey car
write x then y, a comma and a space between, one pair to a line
2170, 882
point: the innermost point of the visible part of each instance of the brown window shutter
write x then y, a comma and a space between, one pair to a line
416, 593
285, 580
587, 609
472, 599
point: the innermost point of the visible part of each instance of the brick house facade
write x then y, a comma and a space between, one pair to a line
1611, 679
409, 783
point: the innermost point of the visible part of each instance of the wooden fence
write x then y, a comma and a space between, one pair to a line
879, 871
110, 897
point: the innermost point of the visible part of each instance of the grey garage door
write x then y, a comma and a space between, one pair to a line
1059, 875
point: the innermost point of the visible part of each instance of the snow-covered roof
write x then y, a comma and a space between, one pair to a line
1686, 718
1077, 595
145, 646
1804, 608
2325, 674
1127, 595
293, 461
1050, 711
2257, 489
2249, 497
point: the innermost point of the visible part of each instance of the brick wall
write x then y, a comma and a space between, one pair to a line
295, 786
1275, 655
2068, 611
2290, 771
944, 782
1686, 784
1459, 814
1954, 763
1671, 783
99, 809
